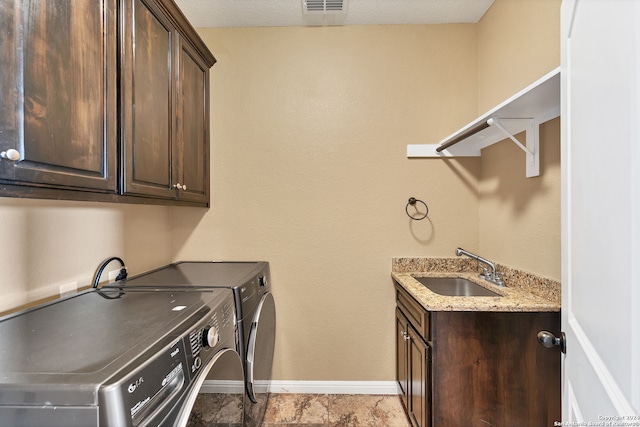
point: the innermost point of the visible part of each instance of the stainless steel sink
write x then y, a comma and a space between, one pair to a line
455, 286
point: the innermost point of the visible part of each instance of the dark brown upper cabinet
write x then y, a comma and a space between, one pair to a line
58, 94
192, 120
165, 85
148, 98
103, 100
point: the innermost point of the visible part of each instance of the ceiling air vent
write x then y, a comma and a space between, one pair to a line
324, 6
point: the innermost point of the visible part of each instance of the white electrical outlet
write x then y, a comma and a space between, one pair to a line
68, 289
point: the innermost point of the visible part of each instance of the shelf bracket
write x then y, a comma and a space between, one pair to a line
531, 149
535, 104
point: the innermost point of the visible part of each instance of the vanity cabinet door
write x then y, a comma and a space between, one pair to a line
413, 360
402, 354
419, 357
490, 369
58, 94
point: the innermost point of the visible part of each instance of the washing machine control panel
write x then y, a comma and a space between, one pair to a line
195, 347
204, 340
263, 281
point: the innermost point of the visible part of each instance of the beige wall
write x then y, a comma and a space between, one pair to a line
519, 42
309, 171
309, 131
46, 244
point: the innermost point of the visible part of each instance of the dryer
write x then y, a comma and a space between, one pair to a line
250, 283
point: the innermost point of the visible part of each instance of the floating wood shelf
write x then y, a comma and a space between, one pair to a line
524, 111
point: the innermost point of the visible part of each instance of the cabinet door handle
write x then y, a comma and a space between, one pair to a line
406, 336
178, 186
11, 154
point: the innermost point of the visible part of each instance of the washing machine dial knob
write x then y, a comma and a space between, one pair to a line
262, 281
210, 336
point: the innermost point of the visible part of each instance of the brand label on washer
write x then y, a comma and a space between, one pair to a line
134, 385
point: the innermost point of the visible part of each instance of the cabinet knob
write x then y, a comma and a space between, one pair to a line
184, 186
178, 186
11, 154
549, 340
406, 336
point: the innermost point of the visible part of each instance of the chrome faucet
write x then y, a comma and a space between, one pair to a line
491, 276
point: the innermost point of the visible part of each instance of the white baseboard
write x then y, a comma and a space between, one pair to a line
323, 387
335, 387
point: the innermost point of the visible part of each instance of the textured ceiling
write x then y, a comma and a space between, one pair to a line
287, 13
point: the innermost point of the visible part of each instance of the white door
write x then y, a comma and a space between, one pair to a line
601, 210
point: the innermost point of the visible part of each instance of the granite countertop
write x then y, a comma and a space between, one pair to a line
523, 291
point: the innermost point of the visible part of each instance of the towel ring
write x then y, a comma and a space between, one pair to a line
412, 201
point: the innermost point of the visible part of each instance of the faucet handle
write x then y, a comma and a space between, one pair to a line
497, 278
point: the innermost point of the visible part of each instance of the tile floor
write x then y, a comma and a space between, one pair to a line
305, 410
334, 410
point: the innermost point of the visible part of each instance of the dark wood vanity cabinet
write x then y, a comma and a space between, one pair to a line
108, 98
476, 368
58, 94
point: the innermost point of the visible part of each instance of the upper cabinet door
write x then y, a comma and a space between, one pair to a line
192, 117
58, 93
148, 99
